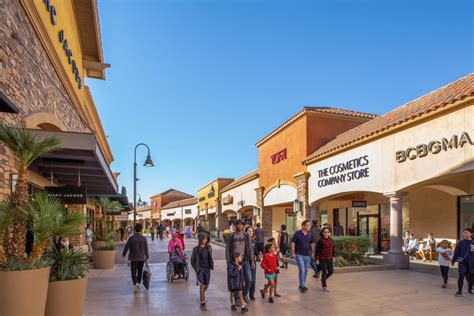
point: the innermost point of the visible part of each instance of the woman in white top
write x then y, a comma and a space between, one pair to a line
445, 254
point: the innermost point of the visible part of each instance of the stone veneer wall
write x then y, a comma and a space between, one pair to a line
29, 79
302, 195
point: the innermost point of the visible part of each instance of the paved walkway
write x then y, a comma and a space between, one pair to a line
391, 292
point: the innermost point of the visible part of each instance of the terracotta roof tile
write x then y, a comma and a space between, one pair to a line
185, 202
430, 102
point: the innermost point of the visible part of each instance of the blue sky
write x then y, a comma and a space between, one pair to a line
202, 81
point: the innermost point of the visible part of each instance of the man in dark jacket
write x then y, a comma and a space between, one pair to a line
138, 247
464, 255
240, 242
202, 263
315, 235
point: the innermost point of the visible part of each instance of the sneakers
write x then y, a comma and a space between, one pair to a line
136, 289
458, 293
244, 310
270, 300
246, 299
233, 308
203, 306
262, 292
325, 289
301, 289
305, 289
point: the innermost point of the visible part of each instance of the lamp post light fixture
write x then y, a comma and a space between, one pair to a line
148, 163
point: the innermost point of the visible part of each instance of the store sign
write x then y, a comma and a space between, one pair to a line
121, 217
290, 212
202, 198
279, 156
170, 214
187, 211
433, 147
359, 203
68, 195
228, 199
64, 42
348, 171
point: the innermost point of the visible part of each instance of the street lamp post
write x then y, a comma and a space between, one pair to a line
148, 163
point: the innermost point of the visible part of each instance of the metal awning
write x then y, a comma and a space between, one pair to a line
6, 105
79, 161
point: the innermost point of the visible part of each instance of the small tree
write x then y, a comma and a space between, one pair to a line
106, 205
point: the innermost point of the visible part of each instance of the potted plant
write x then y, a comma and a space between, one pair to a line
103, 233
68, 283
21, 275
104, 256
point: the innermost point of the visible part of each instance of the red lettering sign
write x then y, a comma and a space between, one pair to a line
279, 156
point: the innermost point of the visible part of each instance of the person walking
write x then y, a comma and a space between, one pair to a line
464, 256
251, 294
160, 231
122, 232
235, 282
202, 262
324, 257
152, 232
302, 247
283, 240
240, 242
137, 246
259, 241
315, 235
89, 237
445, 254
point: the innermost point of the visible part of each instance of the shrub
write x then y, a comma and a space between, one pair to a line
350, 250
226, 234
107, 247
67, 264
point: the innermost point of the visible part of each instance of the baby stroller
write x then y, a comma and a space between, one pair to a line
170, 272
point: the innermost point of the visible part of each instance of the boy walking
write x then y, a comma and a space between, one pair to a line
202, 263
235, 281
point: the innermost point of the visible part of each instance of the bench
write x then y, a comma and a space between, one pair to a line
433, 254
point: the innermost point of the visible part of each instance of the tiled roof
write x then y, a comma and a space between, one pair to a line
455, 91
185, 202
171, 192
322, 110
249, 176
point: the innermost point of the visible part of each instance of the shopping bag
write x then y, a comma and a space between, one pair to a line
146, 276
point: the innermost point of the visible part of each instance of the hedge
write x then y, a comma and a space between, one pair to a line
350, 250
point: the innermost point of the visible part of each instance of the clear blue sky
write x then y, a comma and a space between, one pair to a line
202, 81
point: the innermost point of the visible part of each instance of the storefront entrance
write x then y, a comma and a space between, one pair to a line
368, 226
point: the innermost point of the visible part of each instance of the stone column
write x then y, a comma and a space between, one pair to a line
302, 196
259, 192
395, 255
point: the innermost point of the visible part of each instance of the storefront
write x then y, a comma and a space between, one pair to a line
158, 201
209, 206
181, 214
412, 168
239, 200
282, 196
45, 59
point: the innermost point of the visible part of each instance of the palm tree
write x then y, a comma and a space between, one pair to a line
26, 147
106, 205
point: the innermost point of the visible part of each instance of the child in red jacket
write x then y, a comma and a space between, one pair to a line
269, 265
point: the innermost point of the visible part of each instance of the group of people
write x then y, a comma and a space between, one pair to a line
463, 254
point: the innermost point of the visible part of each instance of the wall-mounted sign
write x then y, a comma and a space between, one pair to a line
202, 198
290, 212
187, 211
52, 14
228, 199
433, 147
170, 214
68, 195
121, 217
279, 156
114, 212
359, 203
344, 172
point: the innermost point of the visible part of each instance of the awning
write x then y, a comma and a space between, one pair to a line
79, 161
6, 105
122, 199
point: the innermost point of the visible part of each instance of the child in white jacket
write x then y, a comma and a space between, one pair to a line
445, 254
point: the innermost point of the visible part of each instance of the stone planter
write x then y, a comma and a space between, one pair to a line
66, 298
23, 292
104, 259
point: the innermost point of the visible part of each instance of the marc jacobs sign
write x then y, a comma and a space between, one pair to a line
434, 147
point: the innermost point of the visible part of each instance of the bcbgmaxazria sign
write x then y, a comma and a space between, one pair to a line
433, 147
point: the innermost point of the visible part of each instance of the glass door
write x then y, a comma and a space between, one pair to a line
369, 227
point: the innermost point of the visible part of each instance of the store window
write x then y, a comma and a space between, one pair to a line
466, 213
340, 217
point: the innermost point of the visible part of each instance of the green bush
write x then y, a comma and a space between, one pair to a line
350, 250
67, 264
107, 247
226, 234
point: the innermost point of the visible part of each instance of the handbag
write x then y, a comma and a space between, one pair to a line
146, 276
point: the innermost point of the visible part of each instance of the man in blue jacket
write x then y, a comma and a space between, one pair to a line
464, 255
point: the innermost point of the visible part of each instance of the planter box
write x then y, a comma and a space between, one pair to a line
23, 292
98, 243
104, 259
66, 298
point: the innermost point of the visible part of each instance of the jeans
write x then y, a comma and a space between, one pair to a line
468, 277
303, 263
152, 236
444, 273
247, 271
314, 266
327, 269
253, 282
137, 271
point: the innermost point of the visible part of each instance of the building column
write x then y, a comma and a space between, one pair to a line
395, 255
302, 196
315, 213
259, 192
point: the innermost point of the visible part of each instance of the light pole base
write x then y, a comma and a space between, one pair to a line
399, 260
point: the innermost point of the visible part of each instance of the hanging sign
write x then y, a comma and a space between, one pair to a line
68, 195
